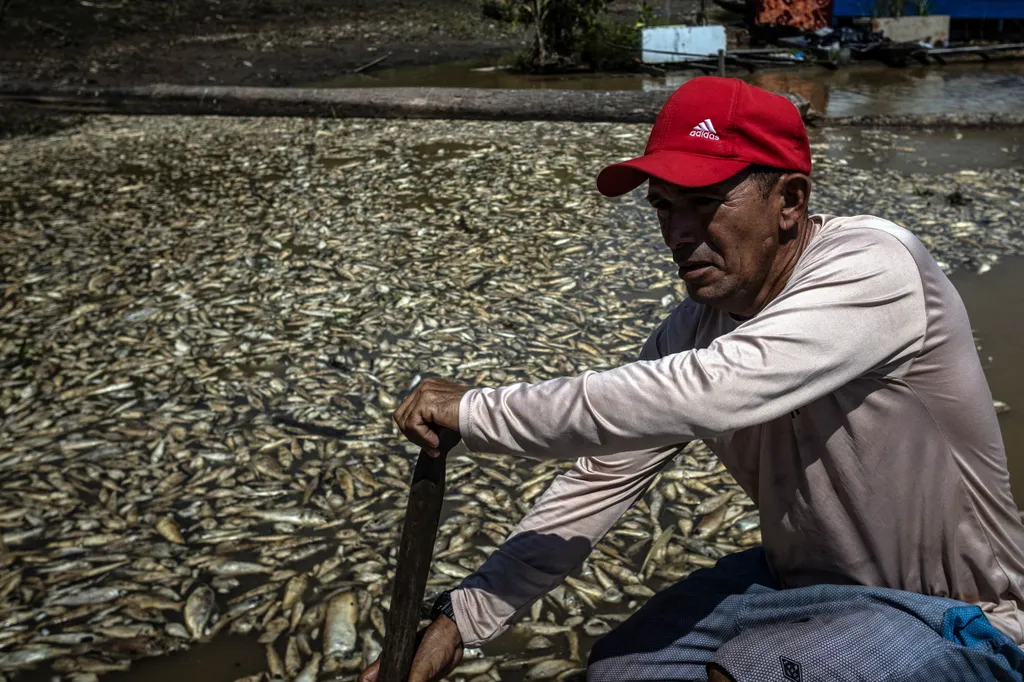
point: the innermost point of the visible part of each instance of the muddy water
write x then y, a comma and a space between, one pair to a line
223, 660
995, 304
937, 151
851, 91
227, 659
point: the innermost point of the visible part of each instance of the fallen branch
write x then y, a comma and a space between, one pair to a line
375, 62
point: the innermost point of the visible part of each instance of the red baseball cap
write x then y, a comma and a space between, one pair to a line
708, 130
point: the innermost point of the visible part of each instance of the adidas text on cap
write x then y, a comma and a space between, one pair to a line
708, 130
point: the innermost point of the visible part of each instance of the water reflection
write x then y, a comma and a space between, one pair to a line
995, 304
850, 91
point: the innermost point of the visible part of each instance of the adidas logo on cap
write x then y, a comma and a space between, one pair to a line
705, 129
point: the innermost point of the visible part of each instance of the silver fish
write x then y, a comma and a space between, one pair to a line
312, 669
199, 609
340, 634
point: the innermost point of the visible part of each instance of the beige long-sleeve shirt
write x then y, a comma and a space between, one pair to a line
852, 409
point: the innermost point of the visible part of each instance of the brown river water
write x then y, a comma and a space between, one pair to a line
995, 299
996, 87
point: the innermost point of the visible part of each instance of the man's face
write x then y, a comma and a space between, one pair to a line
724, 238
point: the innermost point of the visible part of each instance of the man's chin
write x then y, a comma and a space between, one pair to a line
705, 295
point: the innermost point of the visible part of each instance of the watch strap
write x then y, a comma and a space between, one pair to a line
443, 604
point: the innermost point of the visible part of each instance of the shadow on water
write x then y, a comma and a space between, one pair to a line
995, 304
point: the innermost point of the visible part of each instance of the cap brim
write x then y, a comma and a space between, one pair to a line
679, 168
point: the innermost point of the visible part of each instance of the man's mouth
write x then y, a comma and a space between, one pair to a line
695, 270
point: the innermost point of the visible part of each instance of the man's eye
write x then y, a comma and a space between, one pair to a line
706, 202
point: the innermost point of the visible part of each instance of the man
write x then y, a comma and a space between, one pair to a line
830, 365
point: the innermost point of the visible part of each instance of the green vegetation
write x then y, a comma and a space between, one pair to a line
572, 34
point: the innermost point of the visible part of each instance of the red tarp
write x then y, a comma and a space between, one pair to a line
809, 15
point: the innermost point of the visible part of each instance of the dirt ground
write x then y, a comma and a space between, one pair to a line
250, 42
236, 42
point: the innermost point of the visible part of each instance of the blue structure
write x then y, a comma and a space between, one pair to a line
956, 9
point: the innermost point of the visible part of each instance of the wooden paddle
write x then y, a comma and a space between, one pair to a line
415, 551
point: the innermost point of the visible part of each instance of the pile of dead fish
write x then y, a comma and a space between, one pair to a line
205, 325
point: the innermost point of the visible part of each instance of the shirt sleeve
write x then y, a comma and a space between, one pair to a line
552, 540
853, 306
559, 532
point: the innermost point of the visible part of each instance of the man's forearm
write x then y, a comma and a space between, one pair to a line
556, 536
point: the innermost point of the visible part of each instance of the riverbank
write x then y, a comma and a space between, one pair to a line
204, 326
237, 42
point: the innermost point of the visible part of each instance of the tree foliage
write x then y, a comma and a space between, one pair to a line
560, 26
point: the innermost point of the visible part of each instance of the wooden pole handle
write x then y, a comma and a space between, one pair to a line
415, 551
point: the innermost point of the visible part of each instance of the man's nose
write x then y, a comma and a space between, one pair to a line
681, 228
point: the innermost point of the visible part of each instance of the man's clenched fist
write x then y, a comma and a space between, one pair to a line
433, 405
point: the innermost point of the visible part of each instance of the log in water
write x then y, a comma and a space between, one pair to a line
611, 106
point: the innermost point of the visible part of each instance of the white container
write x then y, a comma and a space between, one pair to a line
683, 43
933, 28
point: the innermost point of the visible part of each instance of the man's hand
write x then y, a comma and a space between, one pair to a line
439, 652
432, 405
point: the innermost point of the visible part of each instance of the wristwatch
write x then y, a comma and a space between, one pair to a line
443, 604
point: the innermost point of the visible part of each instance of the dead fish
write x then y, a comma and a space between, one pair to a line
168, 528
136, 631
660, 543
748, 523
227, 567
70, 638
274, 663
340, 633
296, 517
177, 630
272, 630
152, 601
538, 642
574, 645
312, 669
545, 670
292, 657
347, 484
541, 628
638, 591
97, 595
294, 590
199, 609
612, 595
711, 524
620, 573
595, 627
584, 588
478, 666
27, 656
713, 503
451, 570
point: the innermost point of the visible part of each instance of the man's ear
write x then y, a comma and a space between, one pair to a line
796, 192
